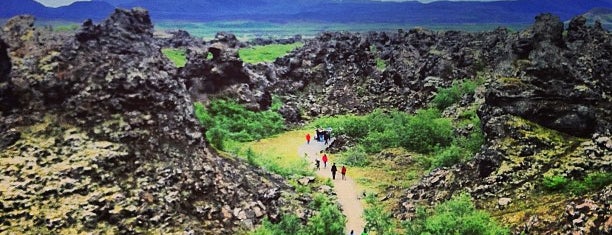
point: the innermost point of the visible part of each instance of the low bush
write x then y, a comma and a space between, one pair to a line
328, 220
591, 182
555, 182
422, 132
355, 156
449, 96
455, 216
225, 120
377, 219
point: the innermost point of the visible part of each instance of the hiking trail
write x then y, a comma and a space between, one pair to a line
347, 191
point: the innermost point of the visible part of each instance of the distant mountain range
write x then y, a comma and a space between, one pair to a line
340, 11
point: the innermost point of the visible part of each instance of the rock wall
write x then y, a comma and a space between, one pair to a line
546, 113
101, 137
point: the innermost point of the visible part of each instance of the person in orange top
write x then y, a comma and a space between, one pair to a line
343, 171
324, 158
308, 138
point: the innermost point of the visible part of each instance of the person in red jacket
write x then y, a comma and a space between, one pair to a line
324, 158
308, 138
343, 171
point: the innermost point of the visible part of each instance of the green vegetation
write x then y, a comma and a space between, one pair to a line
268, 53
328, 220
377, 219
593, 181
380, 63
227, 120
65, 27
455, 216
449, 96
177, 56
245, 30
423, 132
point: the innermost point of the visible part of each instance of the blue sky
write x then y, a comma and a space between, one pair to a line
57, 3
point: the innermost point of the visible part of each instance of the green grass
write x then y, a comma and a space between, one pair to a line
177, 56
65, 27
246, 30
277, 154
381, 64
268, 53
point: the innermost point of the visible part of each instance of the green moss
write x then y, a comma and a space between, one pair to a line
177, 56
268, 53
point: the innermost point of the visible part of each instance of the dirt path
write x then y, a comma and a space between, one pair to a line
348, 194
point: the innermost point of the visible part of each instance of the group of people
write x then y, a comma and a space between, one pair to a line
320, 135
334, 169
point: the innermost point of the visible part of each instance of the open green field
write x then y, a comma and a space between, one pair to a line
245, 30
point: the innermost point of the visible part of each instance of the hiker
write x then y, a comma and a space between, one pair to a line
365, 231
343, 172
352, 232
308, 138
324, 158
326, 137
318, 164
334, 169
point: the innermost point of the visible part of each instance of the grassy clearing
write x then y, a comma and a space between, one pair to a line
277, 154
177, 56
267, 53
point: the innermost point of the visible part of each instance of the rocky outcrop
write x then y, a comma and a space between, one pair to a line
546, 113
559, 83
225, 75
268, 41
179, 39
338, 73
103, 139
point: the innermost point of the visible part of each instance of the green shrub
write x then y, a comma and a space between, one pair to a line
422, 132
267, 53
377, 219
229, 120
449, 156
555, 182
380, 63
328, 220
449, 96
426, 131
455, 216
355, 156
598, 180
591, 182
177, 56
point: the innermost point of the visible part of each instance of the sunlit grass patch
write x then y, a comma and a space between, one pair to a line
268, 53
278, 153
177, 56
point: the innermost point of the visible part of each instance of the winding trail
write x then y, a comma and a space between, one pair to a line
347, 191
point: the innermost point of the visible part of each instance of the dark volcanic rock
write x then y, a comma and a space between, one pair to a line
225, 75
564, 86
547, 91
5, 63
104, 139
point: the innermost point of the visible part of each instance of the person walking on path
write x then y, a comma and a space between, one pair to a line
324, 158
334, 169
343, 171
352, 232
308, 138
318, 164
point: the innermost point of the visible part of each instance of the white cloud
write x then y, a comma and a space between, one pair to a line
57, 3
